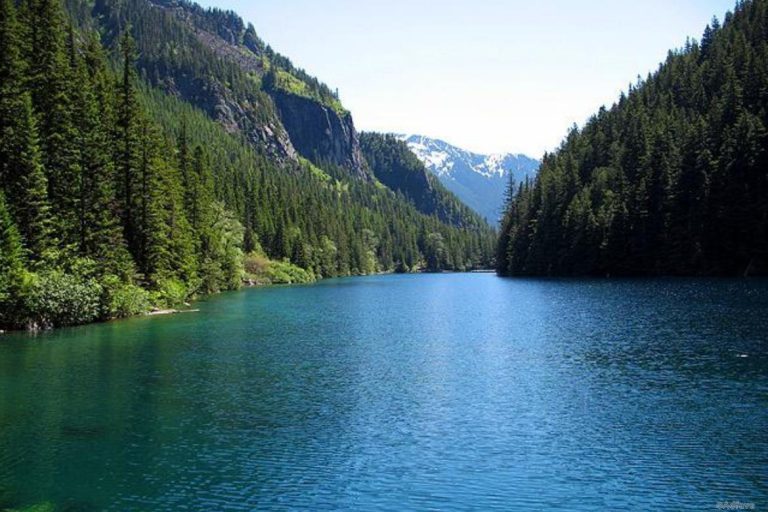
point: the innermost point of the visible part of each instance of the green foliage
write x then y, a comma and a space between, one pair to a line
223, 247
316, 171
12, 273
285, 81
122, 300
51, 85
261, 270
56, 299
285, 272
670, 180
119, 179
436, 252
171, 293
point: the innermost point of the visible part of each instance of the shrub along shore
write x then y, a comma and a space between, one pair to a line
61, 299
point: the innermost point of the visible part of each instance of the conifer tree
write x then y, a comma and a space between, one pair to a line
11, 256
11, 83
98, 197
51, 84
127, 143
670, 180
100, 236
26, 185
164, 236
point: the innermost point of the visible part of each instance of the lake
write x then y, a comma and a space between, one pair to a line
441, 392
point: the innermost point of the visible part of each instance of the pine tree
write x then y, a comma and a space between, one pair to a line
88, 170
12, 71
127, 145
51, 84
164, 236
27, 186
100, 236
11, 257
671, 180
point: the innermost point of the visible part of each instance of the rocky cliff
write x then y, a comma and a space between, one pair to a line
320, 133
293, 115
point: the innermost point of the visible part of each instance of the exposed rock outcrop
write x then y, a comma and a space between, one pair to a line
320, 133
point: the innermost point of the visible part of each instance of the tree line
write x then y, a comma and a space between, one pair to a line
672, 180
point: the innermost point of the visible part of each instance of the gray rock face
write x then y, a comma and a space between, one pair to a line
321, 134
285, 124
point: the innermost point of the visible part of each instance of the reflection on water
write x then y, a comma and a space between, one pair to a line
448, 392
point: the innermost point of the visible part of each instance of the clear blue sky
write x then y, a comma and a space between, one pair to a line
488, 75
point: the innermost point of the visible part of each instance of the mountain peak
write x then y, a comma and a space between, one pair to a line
479, 180
442, 158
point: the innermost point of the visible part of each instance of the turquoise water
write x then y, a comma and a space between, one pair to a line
440, 392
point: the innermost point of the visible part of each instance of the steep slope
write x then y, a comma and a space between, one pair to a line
481, 181
125, 186
672, 180
211, 59
275, 105
394, 165
320, 133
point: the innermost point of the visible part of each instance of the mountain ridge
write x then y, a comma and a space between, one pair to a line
479, 180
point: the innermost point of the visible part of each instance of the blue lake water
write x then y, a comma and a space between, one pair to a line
428, 392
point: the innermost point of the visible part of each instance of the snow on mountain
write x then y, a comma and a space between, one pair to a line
479, 180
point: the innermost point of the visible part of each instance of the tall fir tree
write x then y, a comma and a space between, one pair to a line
11, 84
127, 143
26, 186
100, 234
51, 83
11, 256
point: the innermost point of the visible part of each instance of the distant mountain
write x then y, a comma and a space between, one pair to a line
479, 180
396, 167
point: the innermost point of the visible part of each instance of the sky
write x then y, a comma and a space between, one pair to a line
491, 76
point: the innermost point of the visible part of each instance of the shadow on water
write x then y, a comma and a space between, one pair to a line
83, 433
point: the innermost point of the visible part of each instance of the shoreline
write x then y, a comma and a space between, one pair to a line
166, 312
247, 285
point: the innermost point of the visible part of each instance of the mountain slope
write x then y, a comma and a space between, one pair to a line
394, 165
144, 161
191, 53
481, 181
280, 109
211, 59
672, 180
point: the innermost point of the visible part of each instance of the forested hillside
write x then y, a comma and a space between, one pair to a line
126, 186
672, 180
394, 165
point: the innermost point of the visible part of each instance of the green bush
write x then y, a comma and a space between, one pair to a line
212, 276
123, 300
262, 270
56, 299
171, 293
13, 288
284, 272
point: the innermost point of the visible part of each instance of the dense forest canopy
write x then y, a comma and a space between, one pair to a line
116, 196
673, 179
